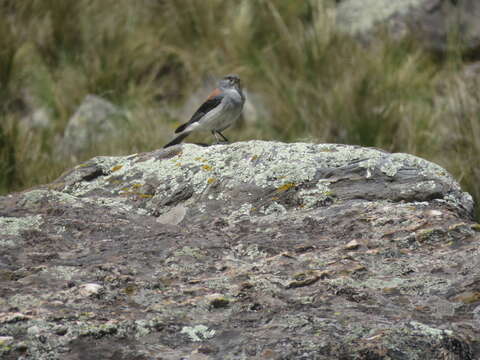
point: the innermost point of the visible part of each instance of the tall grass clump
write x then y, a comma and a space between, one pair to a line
457, 129
8, 101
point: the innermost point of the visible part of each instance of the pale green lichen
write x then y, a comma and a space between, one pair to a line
384, 283
98, 330
390, 167
189, 251
242, 212
311, 197
274, 208
198, 332
15, 225
428, 330
63, 272
23, 302
277, 166
33, 198
252, 251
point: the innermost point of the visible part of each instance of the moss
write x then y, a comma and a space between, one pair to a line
130, 289
218, 302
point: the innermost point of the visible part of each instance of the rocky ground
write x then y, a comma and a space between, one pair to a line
255, 250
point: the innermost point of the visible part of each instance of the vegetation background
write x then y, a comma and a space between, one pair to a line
149, 56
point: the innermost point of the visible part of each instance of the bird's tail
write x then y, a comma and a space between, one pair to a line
177, 140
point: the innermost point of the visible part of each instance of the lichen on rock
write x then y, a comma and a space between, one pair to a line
313, 251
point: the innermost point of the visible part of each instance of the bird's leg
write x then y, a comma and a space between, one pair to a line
224, 138
216, 137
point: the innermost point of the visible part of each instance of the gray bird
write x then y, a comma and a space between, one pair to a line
219, 111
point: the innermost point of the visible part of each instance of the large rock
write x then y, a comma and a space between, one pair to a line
254, 250
439, 23
95, 121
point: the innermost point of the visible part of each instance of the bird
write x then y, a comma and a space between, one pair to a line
220, 110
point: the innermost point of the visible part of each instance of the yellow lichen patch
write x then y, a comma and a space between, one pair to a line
125, 189
116, 168
207, 167
285, 187
178, 164
211, 180
254, 157
200, 159
136, 186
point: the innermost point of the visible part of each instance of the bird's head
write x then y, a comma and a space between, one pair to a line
230, 81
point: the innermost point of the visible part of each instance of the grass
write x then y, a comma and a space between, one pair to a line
147, 57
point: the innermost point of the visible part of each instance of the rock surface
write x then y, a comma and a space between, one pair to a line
254, 250
434, 21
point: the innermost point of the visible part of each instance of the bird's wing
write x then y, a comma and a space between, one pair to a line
211, 103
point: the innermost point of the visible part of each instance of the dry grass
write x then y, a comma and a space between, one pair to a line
148, 56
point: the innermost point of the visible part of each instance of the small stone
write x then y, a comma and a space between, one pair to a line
90, 289
435, 213
174, 216
352, 245
61, 330
303, 279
